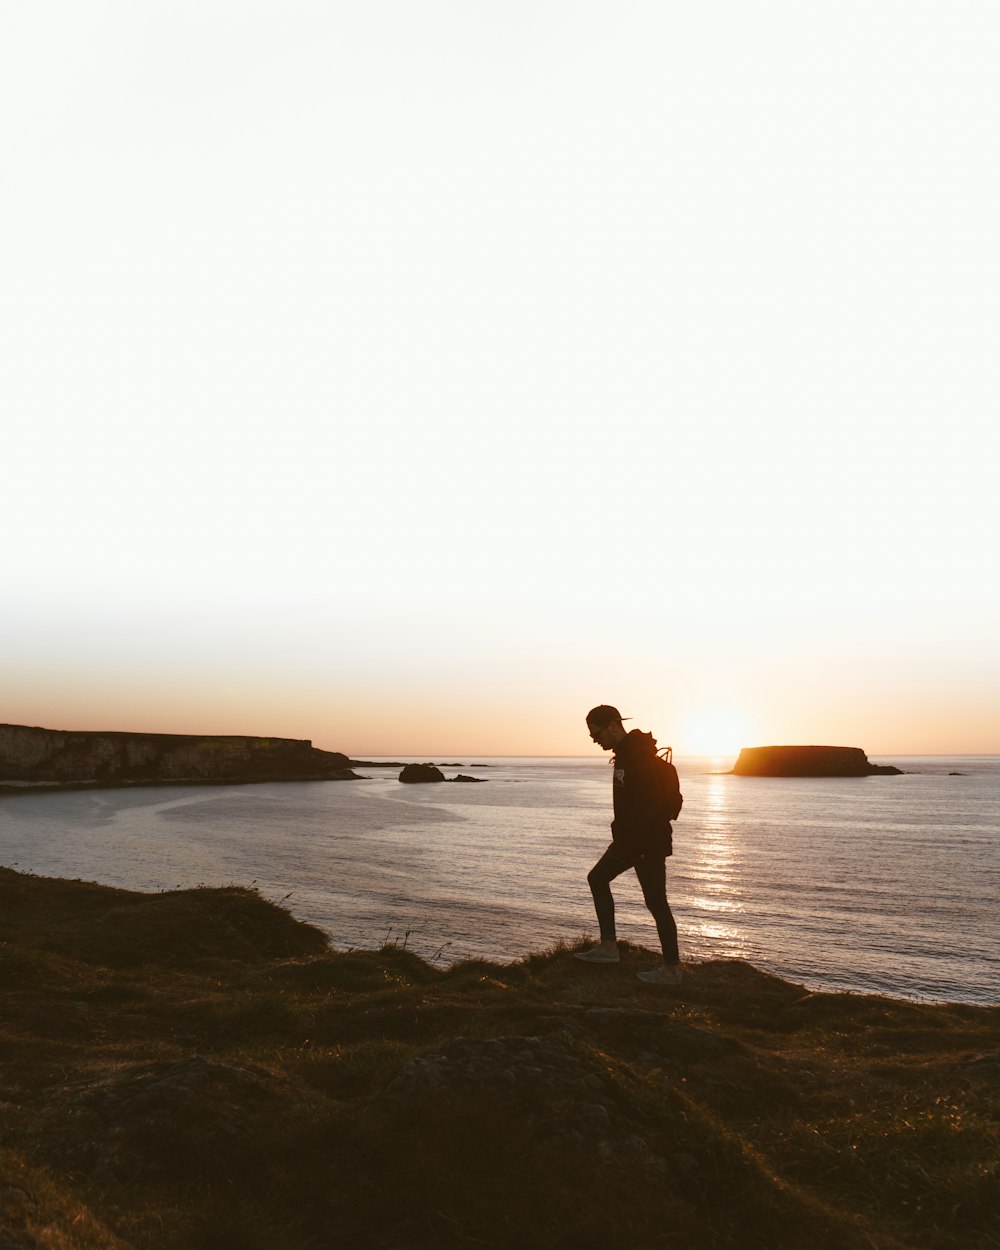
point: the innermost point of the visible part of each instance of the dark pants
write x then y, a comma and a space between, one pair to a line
652, 873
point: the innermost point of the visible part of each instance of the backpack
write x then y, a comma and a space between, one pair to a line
670, 783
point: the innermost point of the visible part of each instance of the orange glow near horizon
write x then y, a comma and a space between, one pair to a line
510, 713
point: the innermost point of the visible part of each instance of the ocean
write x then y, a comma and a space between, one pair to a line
885, 885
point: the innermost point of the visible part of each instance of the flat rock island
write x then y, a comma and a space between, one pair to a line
809, 761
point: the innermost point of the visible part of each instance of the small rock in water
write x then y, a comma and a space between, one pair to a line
415, 774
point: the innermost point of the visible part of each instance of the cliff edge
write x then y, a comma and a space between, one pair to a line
198, 1070
809, 761
34, 758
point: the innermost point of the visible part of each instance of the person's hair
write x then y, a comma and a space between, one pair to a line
602, 715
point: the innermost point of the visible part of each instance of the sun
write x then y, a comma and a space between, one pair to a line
716, 731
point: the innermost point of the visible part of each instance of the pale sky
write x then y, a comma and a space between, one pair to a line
412, 377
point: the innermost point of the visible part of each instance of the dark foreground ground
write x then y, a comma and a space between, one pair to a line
198, 1071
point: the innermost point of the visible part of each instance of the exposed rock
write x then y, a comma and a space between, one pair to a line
808, 761
165, 1117
170, 1087
417, 773
534, 1064
536, 1071
33, 758
463, 777
564, 1098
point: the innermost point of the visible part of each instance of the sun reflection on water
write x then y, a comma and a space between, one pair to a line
715, 879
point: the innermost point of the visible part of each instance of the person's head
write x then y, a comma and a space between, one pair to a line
604, 723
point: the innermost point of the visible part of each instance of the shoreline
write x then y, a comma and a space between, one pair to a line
153, 837
55, 787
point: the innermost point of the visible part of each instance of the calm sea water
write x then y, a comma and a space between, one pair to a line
886, 885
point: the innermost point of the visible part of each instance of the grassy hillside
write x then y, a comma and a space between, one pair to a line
196, 1070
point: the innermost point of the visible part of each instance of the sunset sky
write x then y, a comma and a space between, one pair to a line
412, 377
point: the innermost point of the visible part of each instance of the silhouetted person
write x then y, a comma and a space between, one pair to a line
641, 838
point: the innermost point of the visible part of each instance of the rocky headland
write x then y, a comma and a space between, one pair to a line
35, 758
197, 1070
809, 761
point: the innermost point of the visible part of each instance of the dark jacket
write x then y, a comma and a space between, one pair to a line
640, 826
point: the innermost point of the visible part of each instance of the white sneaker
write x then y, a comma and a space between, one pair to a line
663, 975
598, 955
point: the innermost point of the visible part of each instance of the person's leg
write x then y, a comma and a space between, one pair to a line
652, 874
611, 864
